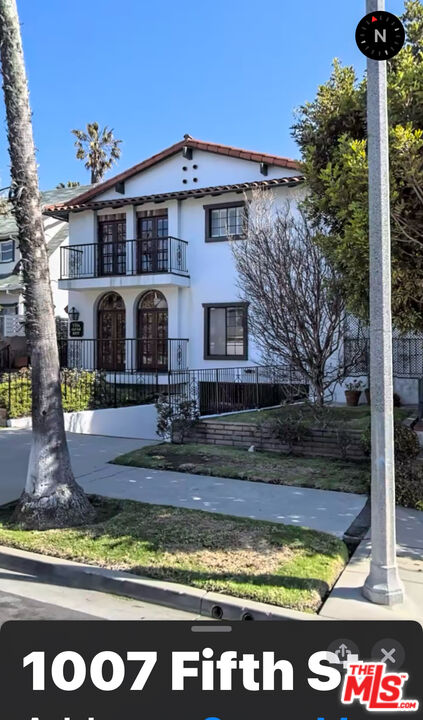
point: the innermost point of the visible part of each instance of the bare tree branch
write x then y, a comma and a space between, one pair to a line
296, 309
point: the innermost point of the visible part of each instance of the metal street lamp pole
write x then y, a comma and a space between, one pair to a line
383, 585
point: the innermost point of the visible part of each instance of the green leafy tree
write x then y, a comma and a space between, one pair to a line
69, 184
331, 133
98, 148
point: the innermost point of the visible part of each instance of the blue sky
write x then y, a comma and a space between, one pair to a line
230, 71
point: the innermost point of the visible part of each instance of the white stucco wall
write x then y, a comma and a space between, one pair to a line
407, 389
139, 421
211, 269
212, 169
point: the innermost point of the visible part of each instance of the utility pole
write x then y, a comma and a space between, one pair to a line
383, 585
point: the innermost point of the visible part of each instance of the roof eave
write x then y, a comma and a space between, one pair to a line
63, 213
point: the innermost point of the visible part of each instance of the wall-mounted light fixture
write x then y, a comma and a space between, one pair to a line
73, 314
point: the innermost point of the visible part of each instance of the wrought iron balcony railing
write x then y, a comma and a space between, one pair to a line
124, 354
129, 257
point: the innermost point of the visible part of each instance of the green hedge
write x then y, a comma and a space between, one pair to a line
19, 390
81, 390
77, 392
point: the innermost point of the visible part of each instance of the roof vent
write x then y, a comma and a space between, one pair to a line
264, 168
187, 152
120, 187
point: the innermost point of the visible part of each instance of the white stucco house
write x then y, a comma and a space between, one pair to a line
148, 270
148, 266
12, 306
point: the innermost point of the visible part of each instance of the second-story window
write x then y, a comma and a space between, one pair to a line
112, 244
7, 251
224, 221
152, 255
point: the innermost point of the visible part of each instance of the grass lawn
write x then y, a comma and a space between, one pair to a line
351, 418
230, 462
280, 564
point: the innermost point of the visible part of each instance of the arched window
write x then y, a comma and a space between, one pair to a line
111, 332
152, 323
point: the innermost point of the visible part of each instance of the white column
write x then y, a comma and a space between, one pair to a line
131, 234
174, 230
383, 585
130, 332
173, 218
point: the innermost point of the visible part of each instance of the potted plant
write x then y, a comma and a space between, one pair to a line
353, 392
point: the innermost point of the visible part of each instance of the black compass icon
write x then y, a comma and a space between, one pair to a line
380, 35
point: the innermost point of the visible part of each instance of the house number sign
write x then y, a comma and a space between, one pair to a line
76, 329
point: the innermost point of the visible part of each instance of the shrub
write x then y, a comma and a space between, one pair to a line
289, 429
77, 391
15, 394
406, 442
408, 475
174, 421
409, 484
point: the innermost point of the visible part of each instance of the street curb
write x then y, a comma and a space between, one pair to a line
175, 595
359, 527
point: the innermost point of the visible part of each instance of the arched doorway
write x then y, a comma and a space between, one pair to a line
152, 331
111, 332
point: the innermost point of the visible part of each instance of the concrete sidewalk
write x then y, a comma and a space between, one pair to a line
323, 510
346, 601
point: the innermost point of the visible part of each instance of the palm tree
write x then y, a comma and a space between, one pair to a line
69, 184
51, 497
98, 148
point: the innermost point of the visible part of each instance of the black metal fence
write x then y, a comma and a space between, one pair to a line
130, 257
220, 390
124, 354
213, 390
5, 358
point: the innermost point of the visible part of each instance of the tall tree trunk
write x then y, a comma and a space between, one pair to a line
51, 497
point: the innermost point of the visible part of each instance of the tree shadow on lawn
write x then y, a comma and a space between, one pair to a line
214, 552
203, 578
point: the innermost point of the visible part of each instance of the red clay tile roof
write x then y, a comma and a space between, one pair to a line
188, 141
78, 204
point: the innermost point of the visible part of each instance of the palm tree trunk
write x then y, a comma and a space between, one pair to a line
51, 497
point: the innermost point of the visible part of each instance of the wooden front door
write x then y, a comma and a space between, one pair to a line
153, 332
112, 246
152, 255
111, 333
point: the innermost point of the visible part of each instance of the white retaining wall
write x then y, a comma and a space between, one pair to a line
138, 421
407, 389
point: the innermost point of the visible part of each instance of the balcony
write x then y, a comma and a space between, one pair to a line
158, 260
145, 355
